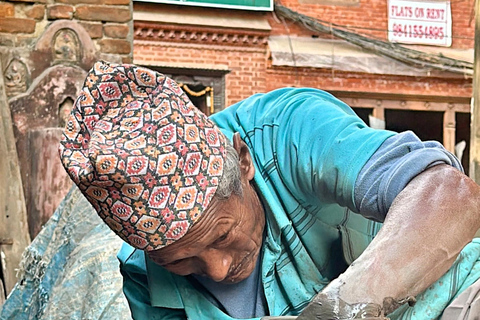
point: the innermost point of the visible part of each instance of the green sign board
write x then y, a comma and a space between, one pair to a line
259, 5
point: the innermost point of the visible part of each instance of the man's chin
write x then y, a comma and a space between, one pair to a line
238, 276
233, 280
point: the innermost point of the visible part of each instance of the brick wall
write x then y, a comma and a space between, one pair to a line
252, 72
370, 18
463, 23
108, 22
360, 82
247, 65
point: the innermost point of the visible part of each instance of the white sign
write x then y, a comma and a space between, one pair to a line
420, 22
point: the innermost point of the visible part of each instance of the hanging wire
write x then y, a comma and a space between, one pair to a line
353, 27
405, 55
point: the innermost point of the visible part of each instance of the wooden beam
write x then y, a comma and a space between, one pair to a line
13, 213
2, 294
49, 182
379, 112
449, 130
398, 96
475, 123
406, 104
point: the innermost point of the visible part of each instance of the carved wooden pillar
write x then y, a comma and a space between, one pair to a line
14, 235
449, 130
2, 293
61, 58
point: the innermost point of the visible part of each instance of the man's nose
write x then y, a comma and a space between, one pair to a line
216, 264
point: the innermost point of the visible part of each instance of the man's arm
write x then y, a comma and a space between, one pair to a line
426, 227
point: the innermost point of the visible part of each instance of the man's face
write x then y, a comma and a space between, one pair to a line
224, 244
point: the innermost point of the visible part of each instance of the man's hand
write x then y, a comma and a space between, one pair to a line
328, 305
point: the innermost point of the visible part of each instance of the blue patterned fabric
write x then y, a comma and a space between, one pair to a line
69, 271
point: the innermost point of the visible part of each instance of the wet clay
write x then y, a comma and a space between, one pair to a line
390, 304
328, 306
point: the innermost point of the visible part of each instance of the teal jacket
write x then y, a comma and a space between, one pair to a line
308, 149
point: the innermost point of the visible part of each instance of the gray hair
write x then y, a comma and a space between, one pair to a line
231, 179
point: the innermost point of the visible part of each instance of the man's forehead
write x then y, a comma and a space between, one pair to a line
210, 225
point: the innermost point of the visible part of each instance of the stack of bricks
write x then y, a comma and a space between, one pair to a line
108, 22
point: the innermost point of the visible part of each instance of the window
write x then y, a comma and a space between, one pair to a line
204, 87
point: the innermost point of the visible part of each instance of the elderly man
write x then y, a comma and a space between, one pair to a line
253, 212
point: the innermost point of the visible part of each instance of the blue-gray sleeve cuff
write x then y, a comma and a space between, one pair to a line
398, 160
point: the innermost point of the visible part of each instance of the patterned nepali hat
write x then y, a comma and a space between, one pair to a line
147, 160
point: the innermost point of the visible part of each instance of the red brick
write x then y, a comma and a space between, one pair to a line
103, 13
40, 1
116, 2
115, 46
370, 18
79, 1
94, 30
127, 59
60, 11
116, 31
36, 12
17, 25
108, 2
6, 10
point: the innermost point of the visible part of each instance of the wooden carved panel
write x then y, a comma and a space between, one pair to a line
16, 78
49, 182
64, 41
57, 66
38, 117
2, 293
65, 46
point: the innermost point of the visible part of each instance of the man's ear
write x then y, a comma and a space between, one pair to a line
247, 168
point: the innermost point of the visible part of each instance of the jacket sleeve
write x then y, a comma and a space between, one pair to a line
321, 147
398, 160
315, 142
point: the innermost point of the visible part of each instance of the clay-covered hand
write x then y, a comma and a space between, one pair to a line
329, 306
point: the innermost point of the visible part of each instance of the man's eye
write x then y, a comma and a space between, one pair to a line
222, 239
175, 263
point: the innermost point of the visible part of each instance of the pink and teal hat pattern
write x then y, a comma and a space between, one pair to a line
143, 155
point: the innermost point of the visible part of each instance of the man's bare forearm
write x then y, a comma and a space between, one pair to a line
427, 226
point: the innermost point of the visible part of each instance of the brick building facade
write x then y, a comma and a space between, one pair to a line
243, 52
